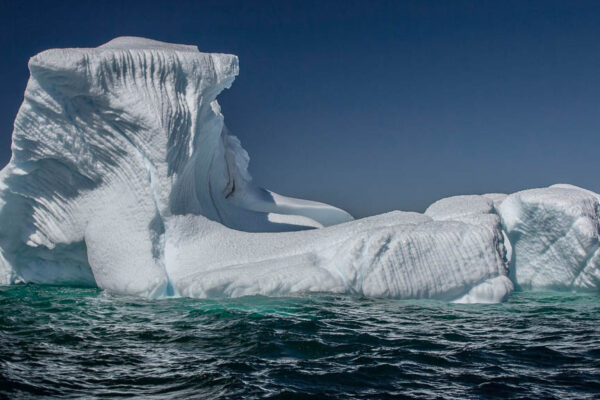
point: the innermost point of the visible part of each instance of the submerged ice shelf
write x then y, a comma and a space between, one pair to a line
123, 176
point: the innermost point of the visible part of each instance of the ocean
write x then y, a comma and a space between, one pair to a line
60, 342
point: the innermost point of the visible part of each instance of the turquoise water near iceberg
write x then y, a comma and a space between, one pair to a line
58, 342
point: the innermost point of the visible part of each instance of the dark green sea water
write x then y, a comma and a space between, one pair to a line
84, 343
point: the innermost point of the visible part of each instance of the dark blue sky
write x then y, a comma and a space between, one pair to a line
371, 105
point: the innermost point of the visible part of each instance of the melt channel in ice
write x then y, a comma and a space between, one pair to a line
123, 176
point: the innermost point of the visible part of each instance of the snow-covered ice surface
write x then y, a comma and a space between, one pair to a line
124, 176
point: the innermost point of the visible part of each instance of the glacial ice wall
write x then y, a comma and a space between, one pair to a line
124, 176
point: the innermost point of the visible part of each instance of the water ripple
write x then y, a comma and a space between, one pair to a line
81, 343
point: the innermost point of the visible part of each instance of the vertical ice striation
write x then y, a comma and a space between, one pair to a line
479, 211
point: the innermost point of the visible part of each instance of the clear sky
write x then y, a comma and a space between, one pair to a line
371, 105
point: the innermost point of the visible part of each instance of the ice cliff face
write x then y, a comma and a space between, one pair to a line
124, 177
556, 237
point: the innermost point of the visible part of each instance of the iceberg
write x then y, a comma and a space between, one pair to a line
124, 176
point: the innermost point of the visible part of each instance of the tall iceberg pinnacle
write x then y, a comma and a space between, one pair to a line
124, 176
112, 141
